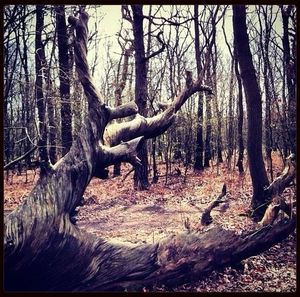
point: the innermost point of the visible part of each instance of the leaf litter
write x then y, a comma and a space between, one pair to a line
113, 209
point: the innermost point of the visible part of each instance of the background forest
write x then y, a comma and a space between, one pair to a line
43, 100
235, 125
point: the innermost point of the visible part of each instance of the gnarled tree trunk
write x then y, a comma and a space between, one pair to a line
45, 250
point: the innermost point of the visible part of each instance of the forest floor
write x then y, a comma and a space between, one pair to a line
114, 210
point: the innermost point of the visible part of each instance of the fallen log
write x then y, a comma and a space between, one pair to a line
68, 259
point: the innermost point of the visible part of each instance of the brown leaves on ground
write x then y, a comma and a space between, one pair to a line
114, 210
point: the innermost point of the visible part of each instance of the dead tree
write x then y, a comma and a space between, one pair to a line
275, 190
44, 250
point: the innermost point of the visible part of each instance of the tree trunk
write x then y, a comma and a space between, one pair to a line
27, 112
264, 46
254, 107
239, 163
199, 141
208, 98
141, 173
64, 78
40, 101
51, 118
118, 93
52, 126
289, 67
230, 135
155, 171
218, 112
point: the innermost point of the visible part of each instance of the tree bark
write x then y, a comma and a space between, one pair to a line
64, 77
118, 93
254, 107
289, 67
199, 141
39, 94
239, 163
141, 173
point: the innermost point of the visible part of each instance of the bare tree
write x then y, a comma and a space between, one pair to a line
239, 163
121, 83
40, 101
199, 141
290, 70
64, 77
254, 108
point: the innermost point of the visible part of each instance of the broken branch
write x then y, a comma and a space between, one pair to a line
123, 111
124, 152
206, 218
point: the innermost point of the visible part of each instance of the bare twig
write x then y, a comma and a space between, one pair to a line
7, 166
163, 46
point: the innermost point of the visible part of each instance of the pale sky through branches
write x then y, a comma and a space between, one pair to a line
110, 26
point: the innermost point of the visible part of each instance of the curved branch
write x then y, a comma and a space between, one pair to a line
163, 46
154, 126
123, 110
124, 152
103, 265
82, 67
206, 218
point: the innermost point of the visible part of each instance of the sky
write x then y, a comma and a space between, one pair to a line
111, 20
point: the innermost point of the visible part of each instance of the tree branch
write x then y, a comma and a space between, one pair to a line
284, 179
123, 110
206, 218
124, 152
154, 126
82, 68
274, 190
126, 15
163, 46
10, 164
167, 21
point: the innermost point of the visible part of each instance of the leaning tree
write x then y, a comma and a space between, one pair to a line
45, 250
